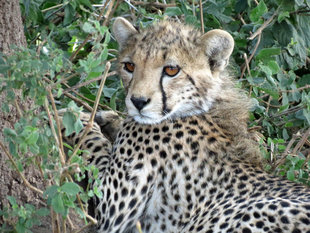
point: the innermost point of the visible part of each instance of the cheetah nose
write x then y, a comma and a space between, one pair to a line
140, 102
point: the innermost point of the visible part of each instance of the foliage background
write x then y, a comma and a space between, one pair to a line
69, 43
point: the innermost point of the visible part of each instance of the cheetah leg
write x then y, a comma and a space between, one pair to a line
94, 142
126, 194
109, 123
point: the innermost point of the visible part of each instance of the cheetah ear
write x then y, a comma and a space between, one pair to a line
122, 30
218, 46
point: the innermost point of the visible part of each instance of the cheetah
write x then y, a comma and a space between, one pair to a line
183, 160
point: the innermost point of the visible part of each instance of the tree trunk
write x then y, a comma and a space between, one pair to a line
12, 32
11, 26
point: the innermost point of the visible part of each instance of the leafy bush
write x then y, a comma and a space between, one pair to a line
69, 44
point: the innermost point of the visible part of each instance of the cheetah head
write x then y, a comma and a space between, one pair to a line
170, 70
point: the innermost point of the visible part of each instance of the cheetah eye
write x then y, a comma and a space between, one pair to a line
171, 71
130, 67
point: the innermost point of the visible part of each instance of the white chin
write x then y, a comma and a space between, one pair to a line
147, 120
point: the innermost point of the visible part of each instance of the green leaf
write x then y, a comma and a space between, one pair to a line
43, 212
283, 15
9, 133
58, 205
88, 28
267, 53
70, 188
290, 175
274, 67
69, 14
172, 11
258, 12
71, 123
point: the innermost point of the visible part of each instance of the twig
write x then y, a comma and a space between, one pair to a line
287, 149
297, 89
89, 108
54, 7
288, 111
93, 113
252, 55
20, 173
64, 80
247, 63
201, 17
301, 142
89, 35
79, 85
264, 25
84, 227
155, 4
61, 148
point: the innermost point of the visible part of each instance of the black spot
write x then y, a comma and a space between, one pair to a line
246, 217
284, 220
178, 146
144, 189
179, 134
166, 139
112, 210
165, 128
119, 220
192, 132
163, 154
138, 166
260, 224
246, 230
132, 203
294, 211
284, 204
153, 162
305, 221
97, 148
211, 139
149, 150
156, 137
124, 192
194, 145
296, 230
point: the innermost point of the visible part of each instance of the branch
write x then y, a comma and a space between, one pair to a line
93, 113
20, 174
264, 25
154, 4
201, 17
79, 85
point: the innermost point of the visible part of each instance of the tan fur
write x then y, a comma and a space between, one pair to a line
150, 49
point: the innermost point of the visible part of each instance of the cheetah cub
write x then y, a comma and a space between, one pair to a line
183, 161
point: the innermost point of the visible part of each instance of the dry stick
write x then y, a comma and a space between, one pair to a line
298, 89
101, 105
264, 25
79, 85
93, 221
89, 108
20, 173
201, 16
252, 55
84, 227
63, 80
93, 113
61, 148
89, 35
247, 63
286, 152
301, 142
155, 4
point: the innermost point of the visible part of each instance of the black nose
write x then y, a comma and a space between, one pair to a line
139, 103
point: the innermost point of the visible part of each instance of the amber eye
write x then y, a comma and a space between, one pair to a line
171, 70
130, 67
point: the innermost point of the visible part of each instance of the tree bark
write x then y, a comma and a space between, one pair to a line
11, 25
12, 33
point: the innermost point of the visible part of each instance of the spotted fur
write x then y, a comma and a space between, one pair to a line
185, 161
